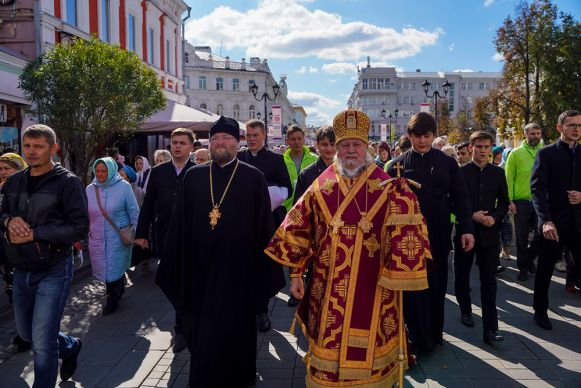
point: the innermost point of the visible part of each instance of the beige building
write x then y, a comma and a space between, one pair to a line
222, 86
384, 88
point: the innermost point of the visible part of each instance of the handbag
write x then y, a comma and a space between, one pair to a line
126, 233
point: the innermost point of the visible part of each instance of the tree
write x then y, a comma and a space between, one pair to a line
481, 112
444, 120
93, 94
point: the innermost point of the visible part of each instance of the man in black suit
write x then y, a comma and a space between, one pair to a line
160, 199
488, 194
279, 188
556, 194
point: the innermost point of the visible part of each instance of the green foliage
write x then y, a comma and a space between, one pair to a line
92, 94
541, 76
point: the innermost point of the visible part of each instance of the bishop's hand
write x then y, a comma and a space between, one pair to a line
297, 288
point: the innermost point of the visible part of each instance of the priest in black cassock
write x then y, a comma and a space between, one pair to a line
442, 193
221, 222
279, 189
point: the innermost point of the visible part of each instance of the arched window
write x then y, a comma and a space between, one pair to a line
220, 110
203, 106
236, 112
251, 112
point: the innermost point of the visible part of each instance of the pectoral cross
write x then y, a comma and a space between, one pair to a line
336, 223
214, 216
364, 224
372, 245
398, 168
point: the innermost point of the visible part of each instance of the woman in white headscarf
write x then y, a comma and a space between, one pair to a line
143, 168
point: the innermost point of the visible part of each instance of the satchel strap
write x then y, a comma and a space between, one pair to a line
104, 212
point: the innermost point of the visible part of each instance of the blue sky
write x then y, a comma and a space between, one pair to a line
318, 43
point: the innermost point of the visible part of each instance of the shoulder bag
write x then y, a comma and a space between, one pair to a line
126, 233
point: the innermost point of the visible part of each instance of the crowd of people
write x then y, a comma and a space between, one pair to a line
365, 228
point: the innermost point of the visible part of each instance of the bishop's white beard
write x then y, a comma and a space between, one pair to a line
351, 169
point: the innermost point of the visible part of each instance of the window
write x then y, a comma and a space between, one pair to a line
150, 45
250, 83
220, 110
187, 57
380, 83
236, 85
236, 111
203, 106
372, 83
105, 20
219, 83
413, 86
71, 12
202, 82
463, 86
364, 84
481, 86
487, 86
251, 112
167, 56
387, 83
469, 85
187, 79
131, 33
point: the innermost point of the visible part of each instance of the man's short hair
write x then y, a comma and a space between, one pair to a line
183, 132
293, 129
256, 123
462, 145
40, 130
197, 143
530, 126
326, 132
404, 143
481, 135
568, 113
421, 123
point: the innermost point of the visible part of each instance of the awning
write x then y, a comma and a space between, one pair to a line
180, 116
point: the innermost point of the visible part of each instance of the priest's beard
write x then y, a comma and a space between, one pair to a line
221, 154
353, 168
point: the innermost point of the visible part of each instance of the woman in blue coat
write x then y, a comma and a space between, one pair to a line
110, 258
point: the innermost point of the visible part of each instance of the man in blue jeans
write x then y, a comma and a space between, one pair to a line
44, 211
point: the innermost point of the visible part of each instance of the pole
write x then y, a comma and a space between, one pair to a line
436, 102
401, 355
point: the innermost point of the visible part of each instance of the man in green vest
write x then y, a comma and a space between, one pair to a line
518, 168
296, 158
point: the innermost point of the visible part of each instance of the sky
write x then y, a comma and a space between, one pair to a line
319, 43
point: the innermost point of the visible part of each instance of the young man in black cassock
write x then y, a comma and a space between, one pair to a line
556, 192
441, 186
279, 188
159, 201
488, 193
211, 263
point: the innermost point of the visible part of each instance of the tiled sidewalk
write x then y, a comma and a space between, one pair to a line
131, 348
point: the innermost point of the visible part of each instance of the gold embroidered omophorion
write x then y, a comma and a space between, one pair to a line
215, 214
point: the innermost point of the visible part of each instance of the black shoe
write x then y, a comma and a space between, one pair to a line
69, 364
292, 301
491, 336
179, 343
523, 275
543, 322
264, 323
21, 345
111, 306
467, 320
500, 268
532, 267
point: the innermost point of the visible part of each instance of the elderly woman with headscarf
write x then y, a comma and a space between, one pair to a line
112, 206
10, 163
142, 168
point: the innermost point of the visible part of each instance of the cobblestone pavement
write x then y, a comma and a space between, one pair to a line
131, 348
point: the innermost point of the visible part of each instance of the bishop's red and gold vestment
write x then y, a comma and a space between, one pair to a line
367, 241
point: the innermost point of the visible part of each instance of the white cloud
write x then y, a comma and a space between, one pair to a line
333, 80
488, 3
321, 34
320, 109
452, 47
313, 69
304, 69
498, 57
463, 71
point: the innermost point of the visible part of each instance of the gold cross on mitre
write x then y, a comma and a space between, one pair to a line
398, 168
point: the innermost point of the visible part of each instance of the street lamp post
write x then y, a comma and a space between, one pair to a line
435, 95
265, 97
396, 112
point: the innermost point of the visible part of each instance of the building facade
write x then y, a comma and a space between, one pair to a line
150, 28
222, 86
384, 88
